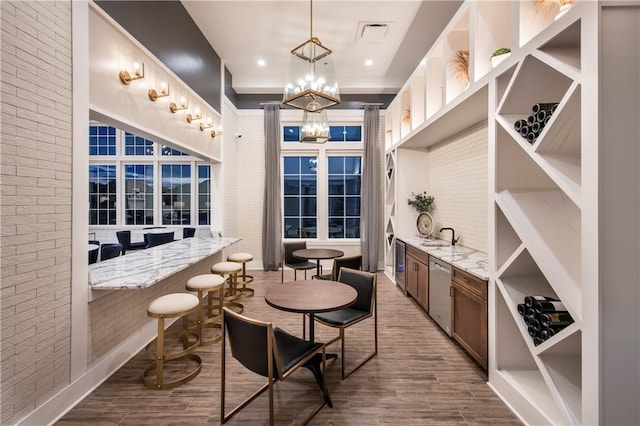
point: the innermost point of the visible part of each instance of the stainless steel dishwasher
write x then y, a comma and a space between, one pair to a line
439, 293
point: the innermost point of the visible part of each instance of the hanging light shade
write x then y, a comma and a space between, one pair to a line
315, 127
311, 84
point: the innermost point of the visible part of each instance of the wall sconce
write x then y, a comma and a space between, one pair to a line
164, 91
208, 125
183, 105
197, 116
138, 73
217, 131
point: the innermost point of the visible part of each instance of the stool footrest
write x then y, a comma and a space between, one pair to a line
153, 384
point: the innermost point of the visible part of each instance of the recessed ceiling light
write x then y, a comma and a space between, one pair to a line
261, 63
368, 62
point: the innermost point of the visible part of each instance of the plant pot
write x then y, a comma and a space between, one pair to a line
495, 60
563, 9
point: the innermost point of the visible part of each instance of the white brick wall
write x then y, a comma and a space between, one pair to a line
458, 182
36, 203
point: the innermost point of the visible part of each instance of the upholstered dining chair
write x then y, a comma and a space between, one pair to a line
124, 238
295, 263
364, 307
351, 262
267, 351
159, 239
110, 250
188, 232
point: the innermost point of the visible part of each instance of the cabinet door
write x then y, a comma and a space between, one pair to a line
411, 276
423, 285
469, 322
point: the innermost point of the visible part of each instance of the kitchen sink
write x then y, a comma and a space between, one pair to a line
434, 243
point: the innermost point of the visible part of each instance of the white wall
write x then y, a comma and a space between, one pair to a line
457, 179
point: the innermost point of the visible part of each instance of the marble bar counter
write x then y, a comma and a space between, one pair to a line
467, 259
140, 269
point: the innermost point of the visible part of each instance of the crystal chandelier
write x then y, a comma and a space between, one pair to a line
311, 84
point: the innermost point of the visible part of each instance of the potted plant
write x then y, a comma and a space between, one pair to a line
421, 202
499, 56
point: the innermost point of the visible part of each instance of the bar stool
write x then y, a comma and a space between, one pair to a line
208, 287
244, 279
174, 305
229, 270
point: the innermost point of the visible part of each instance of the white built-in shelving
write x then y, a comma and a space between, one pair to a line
544, 197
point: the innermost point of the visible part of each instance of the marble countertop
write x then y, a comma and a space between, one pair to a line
143, 268
472, 261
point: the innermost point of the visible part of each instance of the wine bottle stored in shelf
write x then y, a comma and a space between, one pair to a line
532, 136
522, 309
537, 127
543, 106
530, 300
557, 319
548, 306
531, 119
518, 124
524, 131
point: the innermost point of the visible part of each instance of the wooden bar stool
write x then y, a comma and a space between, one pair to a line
210, 288
229, 270
174, 305
244, 279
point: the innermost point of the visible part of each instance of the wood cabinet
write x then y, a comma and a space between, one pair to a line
469, 314
417, 276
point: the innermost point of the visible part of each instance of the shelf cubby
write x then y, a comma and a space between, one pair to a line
517, 366
503, 80
405, 113
534, 82
435, 81
418, 97
509, 243
493, 31
565, 47
532, 21
388, 129
457, 40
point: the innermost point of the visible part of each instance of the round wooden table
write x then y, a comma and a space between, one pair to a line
318, 254
310, 297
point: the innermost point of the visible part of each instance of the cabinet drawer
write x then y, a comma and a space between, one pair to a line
470, 282
418, 254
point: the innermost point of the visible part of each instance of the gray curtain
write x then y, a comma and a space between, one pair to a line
370, 211
272, 215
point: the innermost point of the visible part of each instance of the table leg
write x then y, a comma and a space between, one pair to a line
318, 270
311, 327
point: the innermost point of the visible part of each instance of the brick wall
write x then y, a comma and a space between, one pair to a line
35, 204
458, 181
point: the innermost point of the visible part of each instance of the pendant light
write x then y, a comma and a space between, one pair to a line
311, 84
315, 127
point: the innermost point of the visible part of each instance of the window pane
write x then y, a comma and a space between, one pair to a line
176, 194
353, 133
167, 150
204, 195
102, 194
336, 133
138, 188
102, 140
344, 197
299, 191
136, 145
291, 133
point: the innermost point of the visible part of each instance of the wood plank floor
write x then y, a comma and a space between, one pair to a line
419, 377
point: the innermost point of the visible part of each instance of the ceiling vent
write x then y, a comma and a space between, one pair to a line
372, 32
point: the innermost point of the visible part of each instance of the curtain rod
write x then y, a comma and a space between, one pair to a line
371, 103
270, 103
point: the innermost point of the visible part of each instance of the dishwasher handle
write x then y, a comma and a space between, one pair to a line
438, 265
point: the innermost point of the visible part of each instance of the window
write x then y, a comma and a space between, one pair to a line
300, 189
176, 194
138, 182
204, 195
336, 133
157, 187
344, 197
102, 140
102, 194
136, 145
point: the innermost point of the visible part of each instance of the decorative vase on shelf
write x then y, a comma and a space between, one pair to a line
499, 56
563, 9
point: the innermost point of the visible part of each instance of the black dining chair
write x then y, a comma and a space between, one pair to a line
267, 351
364, 307
188, 232
295, 263
159, 239
124, 238
93, 254
351, 262
110, 250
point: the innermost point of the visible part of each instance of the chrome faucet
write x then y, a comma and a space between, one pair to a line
454, 240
